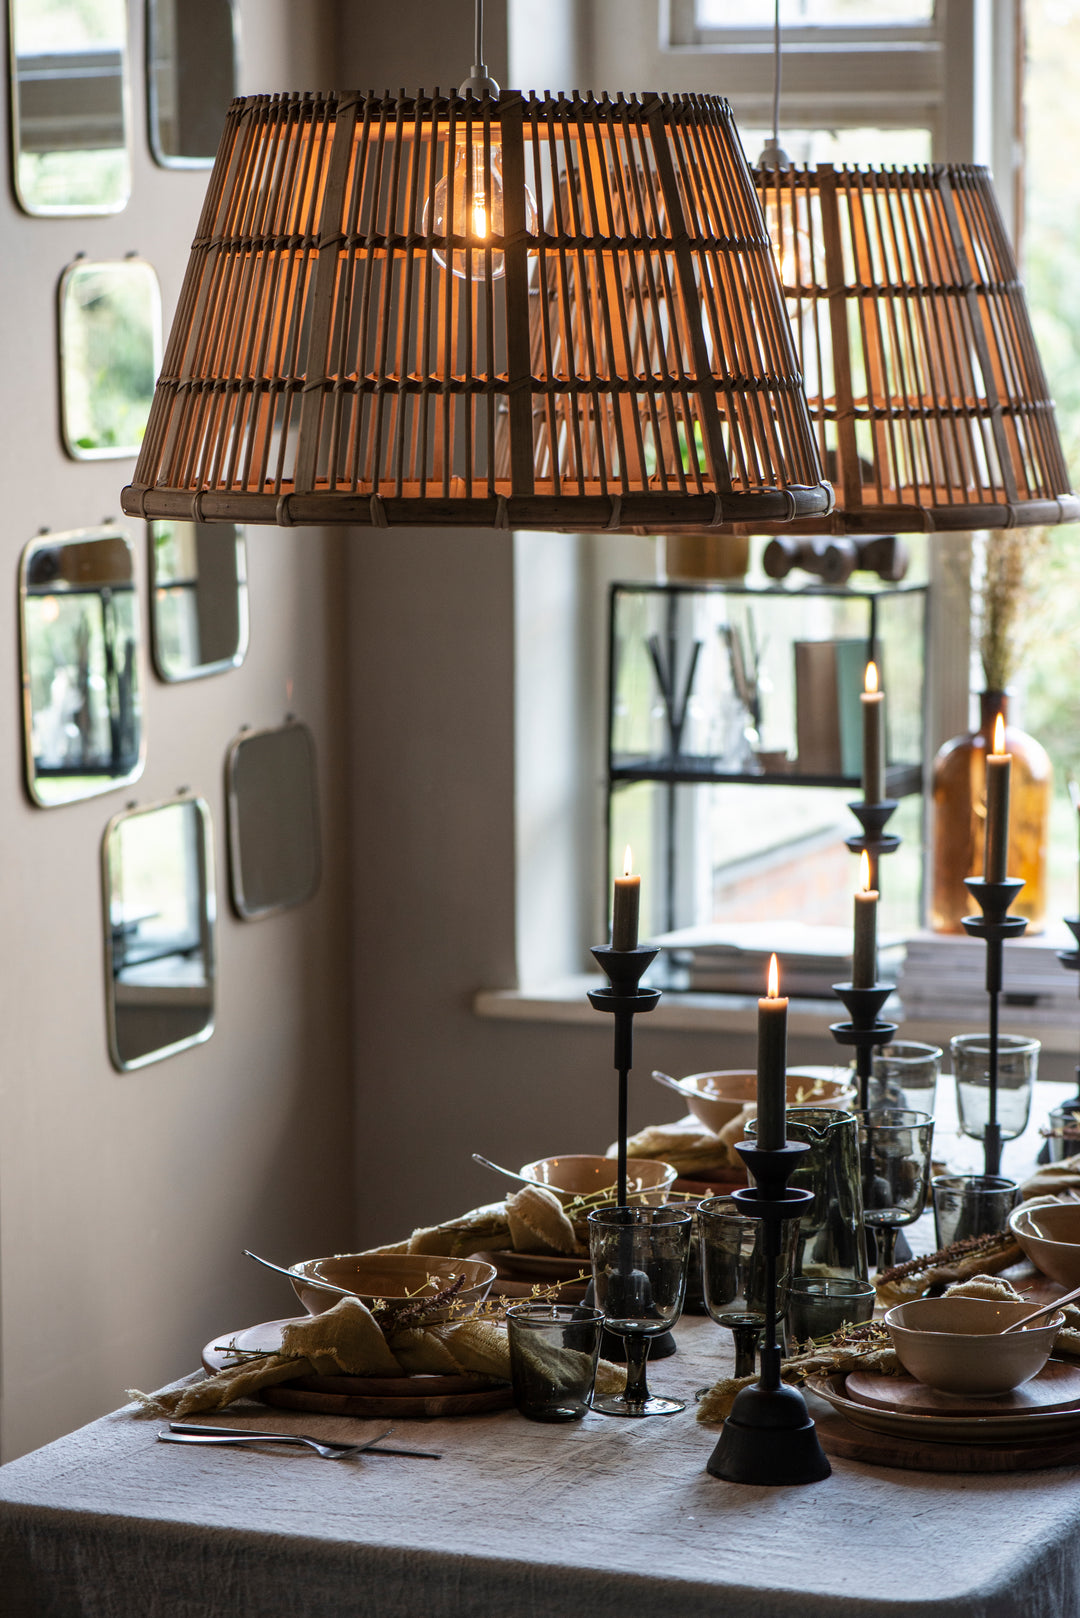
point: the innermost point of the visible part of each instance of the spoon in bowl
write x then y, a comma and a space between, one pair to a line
307, 1281
1047, 1309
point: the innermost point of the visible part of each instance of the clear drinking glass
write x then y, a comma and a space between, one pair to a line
895, 1144
1063, 1134
553, 1352
818, 1308
971, 1205
1018, 1067
733, 1273
905, 1074
639, 1258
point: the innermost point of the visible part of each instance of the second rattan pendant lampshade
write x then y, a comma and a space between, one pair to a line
928, 397
545, 312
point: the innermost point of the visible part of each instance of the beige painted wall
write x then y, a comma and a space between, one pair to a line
125, 1200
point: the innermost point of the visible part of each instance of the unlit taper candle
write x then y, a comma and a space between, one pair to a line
998, 772
772, 1065
626, 907
864, 953
873, 737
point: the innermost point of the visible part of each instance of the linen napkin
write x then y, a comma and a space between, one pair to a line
348, 1341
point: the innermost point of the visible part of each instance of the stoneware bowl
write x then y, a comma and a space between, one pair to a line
388, 1275
954, 1344
1050, 1236
575, 1175
716, 1098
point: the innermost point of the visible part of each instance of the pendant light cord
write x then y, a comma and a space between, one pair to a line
479, 81
773, 155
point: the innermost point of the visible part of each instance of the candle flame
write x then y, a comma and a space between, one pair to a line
999, 734
864, 871
870, 683
774, 979
627, 862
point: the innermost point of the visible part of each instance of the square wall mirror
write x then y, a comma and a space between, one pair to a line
198, 598
158, 874
110, 355
191, 67
81, 665
274, 847
69, 105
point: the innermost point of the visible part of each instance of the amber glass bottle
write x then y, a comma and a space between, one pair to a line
960, 815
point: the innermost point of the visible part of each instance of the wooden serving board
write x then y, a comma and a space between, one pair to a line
402, 1396
839, 1437
293, 1396
1057, 1387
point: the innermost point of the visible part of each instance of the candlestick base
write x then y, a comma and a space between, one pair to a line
769, 1439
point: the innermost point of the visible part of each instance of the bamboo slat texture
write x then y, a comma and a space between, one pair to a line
544, 312
929, 402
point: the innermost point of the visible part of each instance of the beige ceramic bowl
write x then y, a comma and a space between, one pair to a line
575, 1175
388, 1275
716, 1098
1050, 1236
955, 1344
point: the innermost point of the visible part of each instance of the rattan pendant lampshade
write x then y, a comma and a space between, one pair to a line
545, 312
929, 402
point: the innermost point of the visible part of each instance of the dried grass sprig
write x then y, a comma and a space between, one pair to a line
1006, 600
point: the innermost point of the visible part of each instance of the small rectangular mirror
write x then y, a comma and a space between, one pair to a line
69, 105
81, 665
191, 68
110, 355
198, 598
274, 847
158, 874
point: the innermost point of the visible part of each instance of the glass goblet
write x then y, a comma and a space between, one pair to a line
639, 1259
733, 1273
895, 1146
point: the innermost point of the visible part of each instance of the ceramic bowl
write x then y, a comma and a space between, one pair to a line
575, 1175
388, 1275
954, 1344
716, 1098
1050, 1236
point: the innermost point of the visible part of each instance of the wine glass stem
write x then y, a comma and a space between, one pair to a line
747, 1339
637, 1354
886, 1245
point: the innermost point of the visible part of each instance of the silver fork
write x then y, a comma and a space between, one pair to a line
331, 1449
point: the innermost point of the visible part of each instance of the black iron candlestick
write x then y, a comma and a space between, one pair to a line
1070, 960
624, 969
769, 1437
995, 925
864, 1030
873, 840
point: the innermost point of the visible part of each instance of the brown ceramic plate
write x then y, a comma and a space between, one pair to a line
1021, 1427
1057, 1387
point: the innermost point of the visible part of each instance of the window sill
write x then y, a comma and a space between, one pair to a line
564, 1001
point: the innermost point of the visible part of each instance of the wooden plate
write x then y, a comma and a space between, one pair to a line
542, 1267
1057, 1387
1021, 1428
839, 1437
362, 1395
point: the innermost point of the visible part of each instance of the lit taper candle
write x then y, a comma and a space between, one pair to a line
864, 953
873, 737
772, 1065
627, 906
998, 772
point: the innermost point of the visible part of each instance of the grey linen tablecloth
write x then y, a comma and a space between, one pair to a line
600, 1519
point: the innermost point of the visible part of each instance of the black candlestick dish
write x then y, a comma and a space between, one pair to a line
769, 1437
995, 925
1070, 960
865, 1029
624, 969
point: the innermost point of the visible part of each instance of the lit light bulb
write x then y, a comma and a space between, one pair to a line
477, 210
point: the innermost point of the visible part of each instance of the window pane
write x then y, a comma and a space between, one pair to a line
854, 146
1050, 708
806, 13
